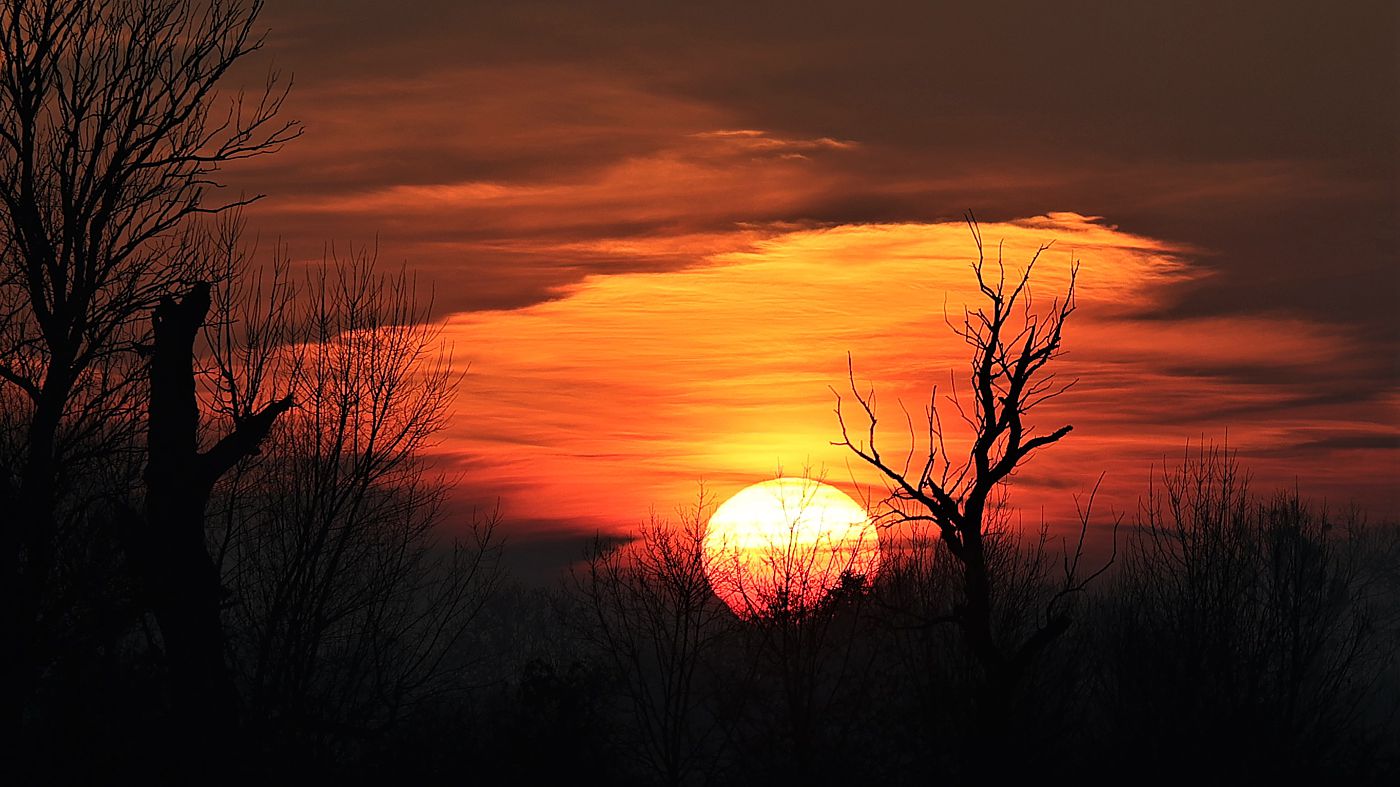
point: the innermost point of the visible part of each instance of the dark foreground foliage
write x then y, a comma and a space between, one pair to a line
1238, 638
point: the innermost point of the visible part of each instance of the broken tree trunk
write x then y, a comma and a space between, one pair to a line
171, 557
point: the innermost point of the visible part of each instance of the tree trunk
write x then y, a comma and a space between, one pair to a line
179, 576
29, 541
170, 553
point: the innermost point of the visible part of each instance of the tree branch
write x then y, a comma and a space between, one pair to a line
244, 440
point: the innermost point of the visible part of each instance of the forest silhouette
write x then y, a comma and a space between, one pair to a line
226, 553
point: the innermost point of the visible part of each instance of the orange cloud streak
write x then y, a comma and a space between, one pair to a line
626, 392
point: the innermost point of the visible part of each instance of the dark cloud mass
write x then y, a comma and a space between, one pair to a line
1265, 134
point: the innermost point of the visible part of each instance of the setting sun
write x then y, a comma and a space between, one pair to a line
785, 543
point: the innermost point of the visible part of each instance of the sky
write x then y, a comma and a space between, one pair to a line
656, 232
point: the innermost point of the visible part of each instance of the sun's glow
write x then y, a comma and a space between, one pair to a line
783, 544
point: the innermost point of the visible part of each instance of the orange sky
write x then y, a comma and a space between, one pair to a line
656, 230
631, 389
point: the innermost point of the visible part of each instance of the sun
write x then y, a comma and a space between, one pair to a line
783, 544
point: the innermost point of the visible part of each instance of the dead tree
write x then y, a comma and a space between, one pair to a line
1012, 346
110, 138
168, 546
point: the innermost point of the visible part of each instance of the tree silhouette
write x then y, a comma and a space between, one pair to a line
1012, 347
658, 623
344, 605
168, 546
1245, 629
800, 595
110, 136
132, 362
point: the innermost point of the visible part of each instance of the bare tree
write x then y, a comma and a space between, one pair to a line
658, 623
1012, 346
805, 651
1246, 629
111, 134
344, 603
713, 651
